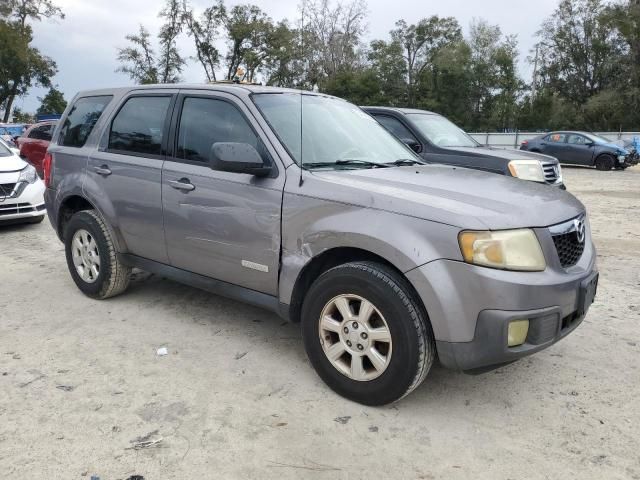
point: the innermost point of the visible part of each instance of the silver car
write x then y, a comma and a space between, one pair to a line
303, 204
21, 191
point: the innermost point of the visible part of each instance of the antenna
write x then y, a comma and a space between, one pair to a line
301, 181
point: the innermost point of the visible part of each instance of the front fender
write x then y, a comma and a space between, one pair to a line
312, 226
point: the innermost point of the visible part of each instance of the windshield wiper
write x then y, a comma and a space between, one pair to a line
365, 163
406, 161
342, 163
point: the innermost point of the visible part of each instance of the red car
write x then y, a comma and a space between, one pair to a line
34, 142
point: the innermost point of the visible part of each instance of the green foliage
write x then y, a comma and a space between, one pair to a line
52, 102
22, 117
587, 61
138, 59
21, 65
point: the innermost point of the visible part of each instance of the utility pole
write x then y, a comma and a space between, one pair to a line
534, 85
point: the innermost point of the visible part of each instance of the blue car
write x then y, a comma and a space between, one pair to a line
579, 148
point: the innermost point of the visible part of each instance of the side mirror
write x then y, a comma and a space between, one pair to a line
590, 144
412, 144
237, 158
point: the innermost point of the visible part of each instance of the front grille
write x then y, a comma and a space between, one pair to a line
14, 208
6, 189
569, 248
550, 172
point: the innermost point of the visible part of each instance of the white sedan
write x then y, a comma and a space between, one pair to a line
21, 190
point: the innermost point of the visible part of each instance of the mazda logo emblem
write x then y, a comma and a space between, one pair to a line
578, 224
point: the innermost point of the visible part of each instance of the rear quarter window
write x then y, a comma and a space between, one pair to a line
81, 119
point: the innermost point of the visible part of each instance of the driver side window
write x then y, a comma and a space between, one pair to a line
205, 121
575, 139
396, 127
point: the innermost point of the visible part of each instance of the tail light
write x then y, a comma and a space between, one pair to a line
525, 143
47, 165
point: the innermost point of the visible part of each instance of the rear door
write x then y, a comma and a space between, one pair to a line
220, 224
579, 150
555, 144
124, 173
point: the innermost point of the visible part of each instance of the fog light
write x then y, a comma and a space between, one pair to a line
518, 330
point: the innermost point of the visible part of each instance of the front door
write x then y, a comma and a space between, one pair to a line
220, 224
579, 150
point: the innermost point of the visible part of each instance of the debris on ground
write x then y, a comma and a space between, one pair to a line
150, 440
240, 355
342, 420
162, 351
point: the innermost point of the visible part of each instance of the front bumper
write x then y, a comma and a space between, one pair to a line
26, 202
470, 308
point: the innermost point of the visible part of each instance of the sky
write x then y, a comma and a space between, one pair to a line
85, 43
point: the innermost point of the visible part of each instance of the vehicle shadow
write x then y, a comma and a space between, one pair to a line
443, 388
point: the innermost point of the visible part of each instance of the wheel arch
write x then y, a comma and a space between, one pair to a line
73, 204
333, 257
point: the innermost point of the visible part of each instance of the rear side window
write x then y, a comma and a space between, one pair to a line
42, 132
557, 138
81, 119
205, 121
139, 126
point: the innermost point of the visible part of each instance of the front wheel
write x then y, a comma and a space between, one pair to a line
365, 333
605, 162
91, 257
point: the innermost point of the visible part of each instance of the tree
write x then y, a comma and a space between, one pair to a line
22, 65
386, 60
23, 117
53, 102
580, 51
170, 62
138, 59
421, 42
247, 28
330, 38
205, 32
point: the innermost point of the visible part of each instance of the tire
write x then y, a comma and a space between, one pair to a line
605, 163
409, 352
113, 277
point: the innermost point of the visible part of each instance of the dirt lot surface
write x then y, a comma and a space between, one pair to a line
83, 391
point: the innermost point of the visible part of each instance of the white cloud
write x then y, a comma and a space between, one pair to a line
84, 43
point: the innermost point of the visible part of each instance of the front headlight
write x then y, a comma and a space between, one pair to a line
527, 170
28, 174
505, 249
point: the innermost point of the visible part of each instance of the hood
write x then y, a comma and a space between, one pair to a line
12, 163
613, 146
505, 153
456, 196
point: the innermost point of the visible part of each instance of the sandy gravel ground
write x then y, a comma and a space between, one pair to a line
83, 392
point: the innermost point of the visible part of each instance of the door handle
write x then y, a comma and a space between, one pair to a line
183, 184
102, 170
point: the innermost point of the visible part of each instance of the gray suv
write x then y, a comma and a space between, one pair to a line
303, 204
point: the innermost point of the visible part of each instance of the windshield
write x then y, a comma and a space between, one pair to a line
334, 132
441, 132
597, 138
4, 149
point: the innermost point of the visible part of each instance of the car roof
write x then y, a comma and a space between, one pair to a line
235, 88
399, 110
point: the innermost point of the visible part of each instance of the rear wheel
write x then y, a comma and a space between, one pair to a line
91, 257
605, 162
365, 333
